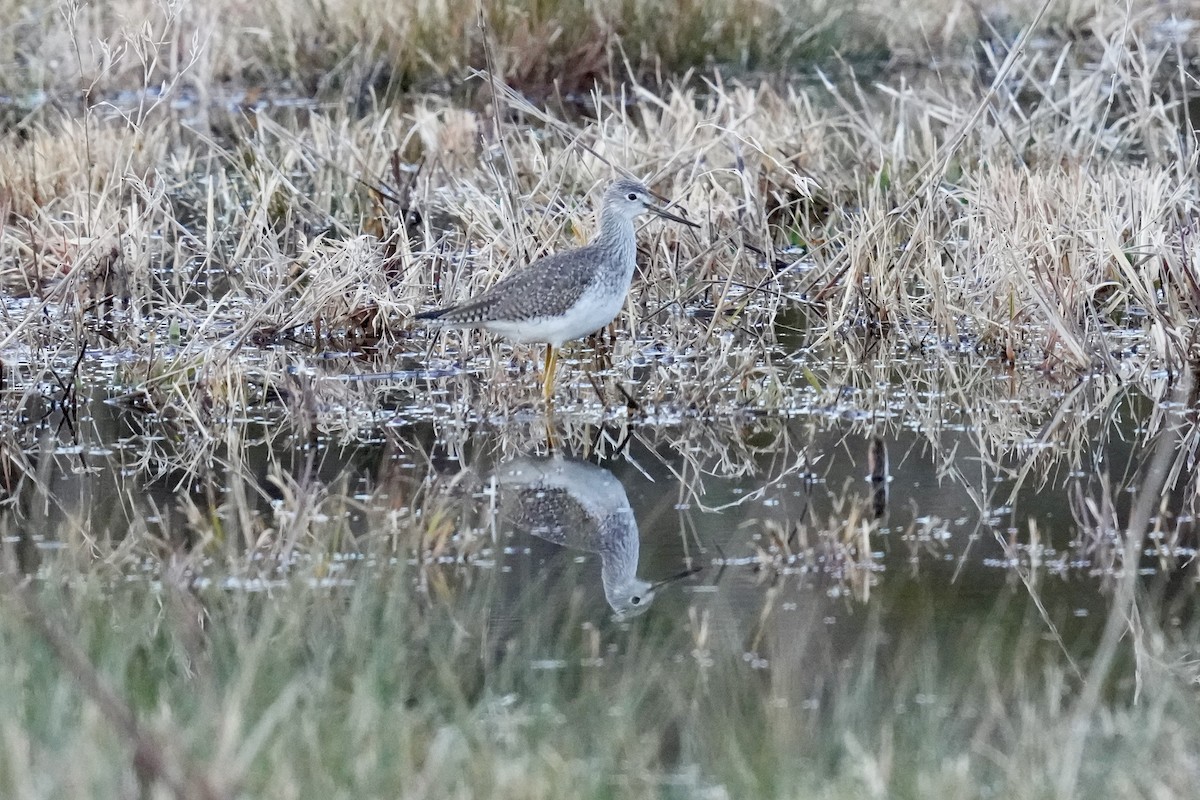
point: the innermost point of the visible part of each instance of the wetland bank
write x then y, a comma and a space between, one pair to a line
881, 485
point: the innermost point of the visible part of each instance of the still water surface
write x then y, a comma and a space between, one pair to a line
772, 537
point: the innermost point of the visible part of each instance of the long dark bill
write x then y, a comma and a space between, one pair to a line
687, 573
662, 212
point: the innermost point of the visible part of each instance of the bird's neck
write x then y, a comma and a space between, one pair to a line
616, 236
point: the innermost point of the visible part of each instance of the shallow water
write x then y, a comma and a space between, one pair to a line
765, 530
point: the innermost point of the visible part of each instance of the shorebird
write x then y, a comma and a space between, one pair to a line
566, 295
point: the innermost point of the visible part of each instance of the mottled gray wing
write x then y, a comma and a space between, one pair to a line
547, 287
552, 513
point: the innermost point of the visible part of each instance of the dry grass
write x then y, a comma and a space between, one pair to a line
354, 48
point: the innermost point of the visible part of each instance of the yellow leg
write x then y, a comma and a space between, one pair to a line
548, 372
551, 437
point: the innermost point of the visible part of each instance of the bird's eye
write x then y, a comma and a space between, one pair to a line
636, 599
631, 196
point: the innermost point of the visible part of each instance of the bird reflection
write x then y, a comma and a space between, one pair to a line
581, 506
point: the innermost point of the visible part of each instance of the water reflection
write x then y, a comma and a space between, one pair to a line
582, 506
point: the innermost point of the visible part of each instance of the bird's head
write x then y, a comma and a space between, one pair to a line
630, 198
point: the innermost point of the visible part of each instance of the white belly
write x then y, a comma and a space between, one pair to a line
595, 310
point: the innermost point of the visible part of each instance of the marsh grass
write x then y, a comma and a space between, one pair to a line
999, 256
354, 49
272, 233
